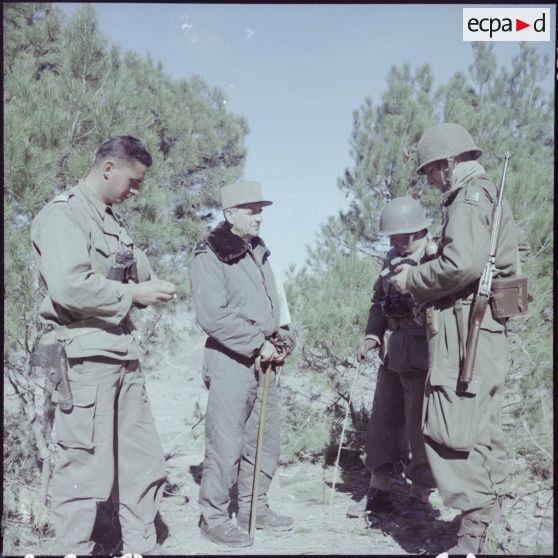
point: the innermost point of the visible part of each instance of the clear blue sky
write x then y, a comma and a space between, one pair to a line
296, 73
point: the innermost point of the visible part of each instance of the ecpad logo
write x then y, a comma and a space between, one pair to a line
506, 24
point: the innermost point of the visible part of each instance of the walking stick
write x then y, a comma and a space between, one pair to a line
261, 428
343, 434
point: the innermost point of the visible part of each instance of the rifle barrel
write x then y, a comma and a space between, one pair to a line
497, 214
485, 285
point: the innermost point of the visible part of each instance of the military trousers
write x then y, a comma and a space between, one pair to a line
394, 427
107, 445
463, 433
231, 433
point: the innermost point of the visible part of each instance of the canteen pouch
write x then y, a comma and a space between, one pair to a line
510, 296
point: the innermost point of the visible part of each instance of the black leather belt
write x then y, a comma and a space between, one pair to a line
463, 294
402, 323
214, 344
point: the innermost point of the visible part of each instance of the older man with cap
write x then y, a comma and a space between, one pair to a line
237, 305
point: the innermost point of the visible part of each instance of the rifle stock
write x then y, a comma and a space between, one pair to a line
478, 312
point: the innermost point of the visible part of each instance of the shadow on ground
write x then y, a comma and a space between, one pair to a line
430, 535
426, 536
107, 534
196, 472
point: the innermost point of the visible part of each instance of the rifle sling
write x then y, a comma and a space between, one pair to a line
461, 327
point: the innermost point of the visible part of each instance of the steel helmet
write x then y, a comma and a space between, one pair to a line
402, 215
444, 141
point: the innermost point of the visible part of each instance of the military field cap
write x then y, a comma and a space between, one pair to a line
241, 193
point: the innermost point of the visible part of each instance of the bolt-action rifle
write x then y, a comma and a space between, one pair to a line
485, 285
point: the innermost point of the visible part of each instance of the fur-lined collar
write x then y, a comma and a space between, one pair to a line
229, 247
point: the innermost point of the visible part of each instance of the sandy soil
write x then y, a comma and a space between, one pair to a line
301, 490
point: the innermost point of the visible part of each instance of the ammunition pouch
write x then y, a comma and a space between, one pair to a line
432, 319
510, 296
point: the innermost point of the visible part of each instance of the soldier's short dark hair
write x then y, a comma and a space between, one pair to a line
127, 148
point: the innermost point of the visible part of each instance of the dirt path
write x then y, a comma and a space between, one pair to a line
301, 490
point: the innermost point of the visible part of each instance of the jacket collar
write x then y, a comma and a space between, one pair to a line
94, 200
98, 204
462, 173
229, 247
413, 258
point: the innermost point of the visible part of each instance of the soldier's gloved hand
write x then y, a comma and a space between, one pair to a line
283, 341
399, 281
368, 345
152, 292
268, 352
289, 340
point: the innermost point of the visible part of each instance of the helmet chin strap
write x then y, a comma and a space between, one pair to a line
447, 174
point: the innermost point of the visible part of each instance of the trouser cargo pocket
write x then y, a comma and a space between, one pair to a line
77, 428
450, 419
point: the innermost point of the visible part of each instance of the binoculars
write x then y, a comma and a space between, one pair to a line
124, 267
396, 305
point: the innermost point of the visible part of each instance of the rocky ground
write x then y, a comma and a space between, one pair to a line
302, 490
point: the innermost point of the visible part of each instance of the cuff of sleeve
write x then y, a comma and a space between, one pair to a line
260, 340
411, 285
124, 300
374, 338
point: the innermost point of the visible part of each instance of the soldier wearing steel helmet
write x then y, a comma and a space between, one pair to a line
463, 436
395, 422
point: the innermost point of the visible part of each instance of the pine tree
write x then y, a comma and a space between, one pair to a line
382, 144
504, 109
66, 90
507, 109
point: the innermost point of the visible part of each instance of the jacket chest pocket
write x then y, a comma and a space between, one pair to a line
104, 245
124, 240
101, 255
